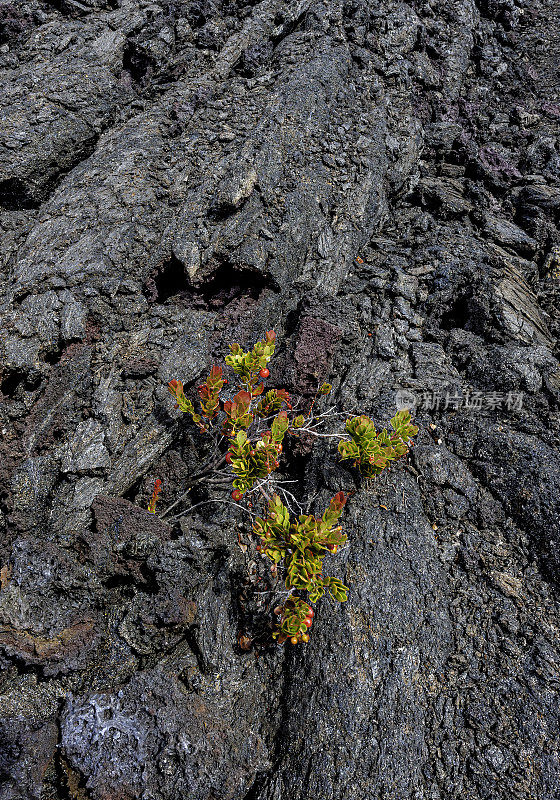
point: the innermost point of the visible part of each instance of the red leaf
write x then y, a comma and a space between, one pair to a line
242, 399
339, 500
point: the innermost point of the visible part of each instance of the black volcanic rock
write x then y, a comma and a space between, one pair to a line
379, 184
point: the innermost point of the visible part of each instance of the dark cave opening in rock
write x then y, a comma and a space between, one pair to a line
139, 65
132, 493
14, 195
458, 315
199, 12
12, 379
53, 357
169, 281
74, 8
10, 382
120, 581
226, 284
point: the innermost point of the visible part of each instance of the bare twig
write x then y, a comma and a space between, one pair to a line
219, 480
204, 502
310, 502
176, 503
287, 494
312, 432
275, 592
210, 468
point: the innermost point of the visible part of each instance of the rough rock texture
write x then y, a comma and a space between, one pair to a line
380, 183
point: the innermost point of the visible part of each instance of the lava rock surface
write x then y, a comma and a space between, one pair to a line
379, 182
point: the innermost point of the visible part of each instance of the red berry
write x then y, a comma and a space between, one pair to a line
308, 622
237, 494
310, 613
264, 373
228, 458
294, 640
304, 637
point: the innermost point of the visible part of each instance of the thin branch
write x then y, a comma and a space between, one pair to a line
275, 592
294, 498
204, 502
288, 494
210, 468
176, 503
264, 494
311, 501
312, 432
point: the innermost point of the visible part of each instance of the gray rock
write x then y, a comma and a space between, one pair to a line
506, 233
110, 737
86, 450
179, 176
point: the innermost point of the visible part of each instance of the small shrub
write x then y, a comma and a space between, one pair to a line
296, 546
302, 545
370, 451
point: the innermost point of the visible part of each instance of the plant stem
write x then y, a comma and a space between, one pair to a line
323, 435
204, 502
209, 469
